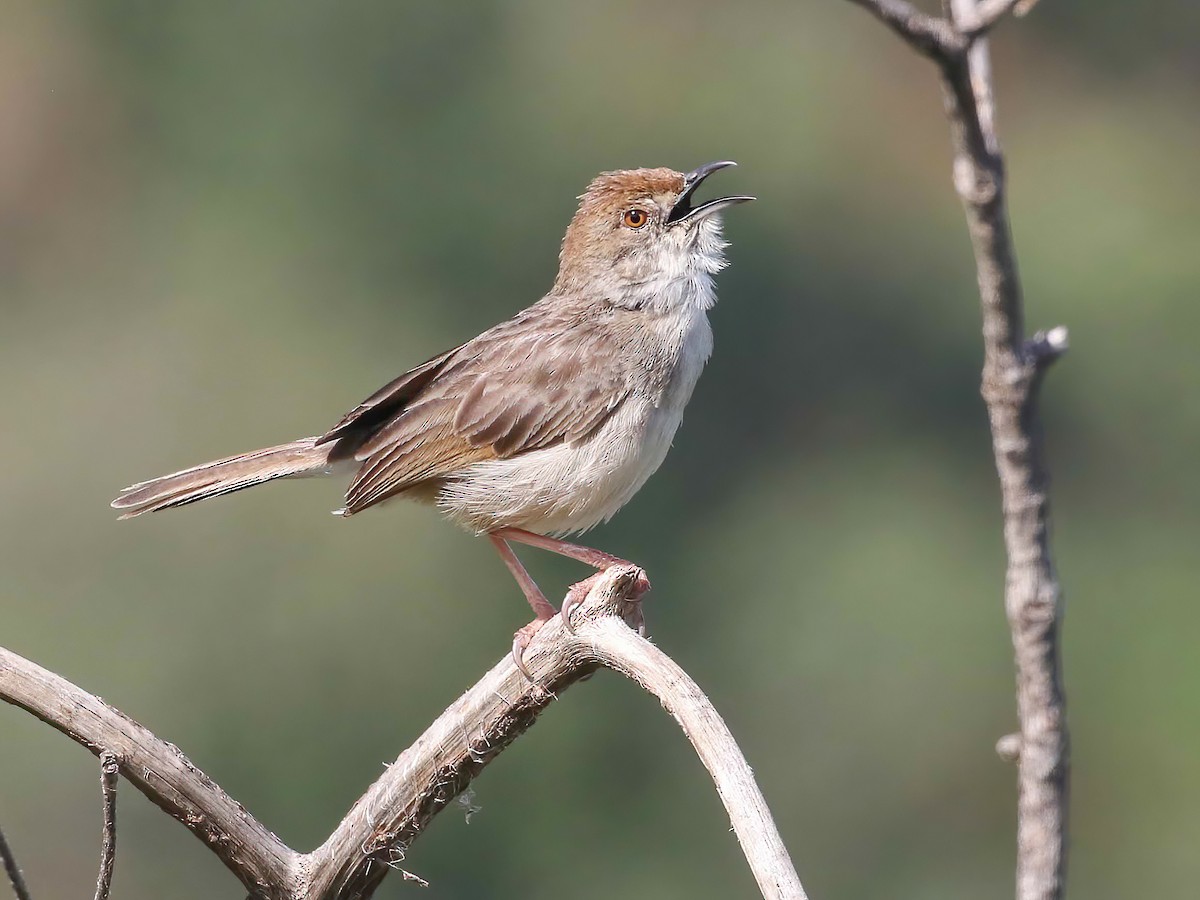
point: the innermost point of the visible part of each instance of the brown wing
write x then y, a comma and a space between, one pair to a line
537, 380
388, 400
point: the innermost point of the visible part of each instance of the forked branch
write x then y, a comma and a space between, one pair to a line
928, 35
939, 38
375, 835
156, 768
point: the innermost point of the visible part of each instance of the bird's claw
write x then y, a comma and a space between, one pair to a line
521, 641
575, 596
639, 620
638, 586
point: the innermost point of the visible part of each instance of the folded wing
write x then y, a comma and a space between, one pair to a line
530, 383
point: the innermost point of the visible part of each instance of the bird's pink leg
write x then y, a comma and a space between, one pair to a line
598, 559
543, 609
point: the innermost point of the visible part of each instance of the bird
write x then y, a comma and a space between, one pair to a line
546, 424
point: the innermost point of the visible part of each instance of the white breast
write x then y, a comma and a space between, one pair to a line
572, 487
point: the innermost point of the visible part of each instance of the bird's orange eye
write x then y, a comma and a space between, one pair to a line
635, 218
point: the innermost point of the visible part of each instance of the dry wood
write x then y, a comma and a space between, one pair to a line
156, 768
109, 766
375, 835
1012, 374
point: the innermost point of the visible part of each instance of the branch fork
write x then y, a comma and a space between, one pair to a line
943, 40
376, 834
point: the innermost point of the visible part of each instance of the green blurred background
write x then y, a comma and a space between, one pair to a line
223, 223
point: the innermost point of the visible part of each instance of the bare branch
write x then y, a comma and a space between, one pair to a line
13, 870
635, 657
426, 777
159, 770
479, 725
109, 765
375, 835
979, 76
929, 35
1012, 374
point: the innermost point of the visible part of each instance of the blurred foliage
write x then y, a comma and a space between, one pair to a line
223, 223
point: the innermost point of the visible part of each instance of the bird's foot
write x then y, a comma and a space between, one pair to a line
637, 589
521, 640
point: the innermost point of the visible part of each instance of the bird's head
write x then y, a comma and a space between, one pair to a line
639, 236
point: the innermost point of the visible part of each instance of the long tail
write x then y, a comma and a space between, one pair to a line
224, 476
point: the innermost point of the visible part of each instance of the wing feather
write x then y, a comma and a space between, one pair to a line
390, 398
537, 380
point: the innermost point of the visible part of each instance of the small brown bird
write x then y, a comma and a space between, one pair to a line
545, 424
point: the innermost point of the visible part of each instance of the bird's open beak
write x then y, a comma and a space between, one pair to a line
683, 211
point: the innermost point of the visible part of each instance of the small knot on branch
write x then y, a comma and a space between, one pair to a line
975, 184
110, 763
1008, 748
1047, 346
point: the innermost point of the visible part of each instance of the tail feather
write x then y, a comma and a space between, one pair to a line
224, 476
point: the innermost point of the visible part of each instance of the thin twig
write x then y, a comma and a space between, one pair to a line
20, 889
109, 766
1012, 375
